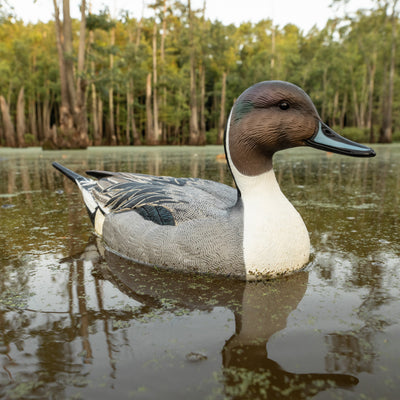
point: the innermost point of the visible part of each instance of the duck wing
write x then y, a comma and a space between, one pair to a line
163, 200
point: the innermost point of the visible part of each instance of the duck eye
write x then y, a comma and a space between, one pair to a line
284, 105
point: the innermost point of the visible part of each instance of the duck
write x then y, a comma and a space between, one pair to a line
250, 231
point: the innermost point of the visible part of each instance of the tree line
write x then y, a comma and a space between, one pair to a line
172, 78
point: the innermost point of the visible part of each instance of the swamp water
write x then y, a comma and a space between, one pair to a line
79, 323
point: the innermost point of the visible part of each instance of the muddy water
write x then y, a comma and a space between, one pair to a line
77, 322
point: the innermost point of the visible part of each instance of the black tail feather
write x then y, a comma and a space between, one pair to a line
69, 174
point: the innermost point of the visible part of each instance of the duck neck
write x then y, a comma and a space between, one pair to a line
258, 181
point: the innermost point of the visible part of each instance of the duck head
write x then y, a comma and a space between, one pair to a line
276, 115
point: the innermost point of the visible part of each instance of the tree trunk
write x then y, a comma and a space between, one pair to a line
371, 86
272, 64
202, 72
33, 126
21, 118
343, 111
111, 123
193, 123
68, 53
149, 114
9, 132
65, 116
387, 123
129, 102
221, 125
202, 104
117, 117
335, 108
48, 134
39, 118
80, 104
44, 117
356, 106
163, 130
155, 95
73, 118
100, 118
363, 102
131, 117
324, 96
95, 120
130, 114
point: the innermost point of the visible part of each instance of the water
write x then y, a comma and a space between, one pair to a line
76, 322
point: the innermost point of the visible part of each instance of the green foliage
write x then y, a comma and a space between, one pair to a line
353, 133
101, 21
30, 139
396, 136
344, 67
212, 136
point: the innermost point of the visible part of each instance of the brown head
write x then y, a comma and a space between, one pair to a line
268, 117
275, 115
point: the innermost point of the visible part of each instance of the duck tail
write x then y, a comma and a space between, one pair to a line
85, 185
73, 176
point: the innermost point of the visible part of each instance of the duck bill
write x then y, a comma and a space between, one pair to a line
327, 139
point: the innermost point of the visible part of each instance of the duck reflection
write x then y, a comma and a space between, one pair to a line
260, 308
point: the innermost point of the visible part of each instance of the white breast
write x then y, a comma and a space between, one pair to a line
275, 238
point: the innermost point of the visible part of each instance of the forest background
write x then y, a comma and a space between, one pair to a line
172, 78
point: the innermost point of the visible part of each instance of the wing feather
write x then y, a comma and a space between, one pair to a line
163, 200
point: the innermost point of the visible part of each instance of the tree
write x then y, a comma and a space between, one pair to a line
21, 118
156, 139
194, 122
99, 25
111, 122
150, 136
72, 130
388, 9
387, 123
9, 132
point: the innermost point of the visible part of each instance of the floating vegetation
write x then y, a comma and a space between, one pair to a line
195, 356
13, 300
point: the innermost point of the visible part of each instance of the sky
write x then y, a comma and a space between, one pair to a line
303, 13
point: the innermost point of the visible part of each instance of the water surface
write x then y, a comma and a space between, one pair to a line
77, 322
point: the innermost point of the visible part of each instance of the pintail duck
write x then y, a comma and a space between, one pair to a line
196, 225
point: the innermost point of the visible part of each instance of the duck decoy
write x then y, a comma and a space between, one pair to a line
196, 225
